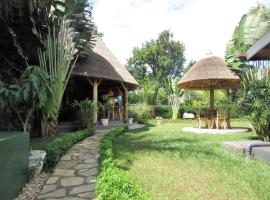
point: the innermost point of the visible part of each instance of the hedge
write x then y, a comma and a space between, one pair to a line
61, 145
114, 183
165, 111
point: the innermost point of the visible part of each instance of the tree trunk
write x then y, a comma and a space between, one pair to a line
154, 100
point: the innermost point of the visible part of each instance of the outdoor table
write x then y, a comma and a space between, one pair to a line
211, 114
210, 117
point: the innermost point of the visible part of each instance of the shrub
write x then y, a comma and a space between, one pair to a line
61, 145
85, 114
114, 183
164, 111
254, 99
141, 112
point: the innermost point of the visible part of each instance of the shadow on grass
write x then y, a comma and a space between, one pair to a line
130, 146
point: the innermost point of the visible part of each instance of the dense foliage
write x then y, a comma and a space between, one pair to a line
156, 61
251, 27
85, 112
57, 60
20, 100
114, 183
61, 145
140, 112
254, 99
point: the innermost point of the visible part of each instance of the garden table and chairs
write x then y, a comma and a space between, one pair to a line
213, 118
210, 73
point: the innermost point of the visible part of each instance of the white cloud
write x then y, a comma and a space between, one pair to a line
201, 25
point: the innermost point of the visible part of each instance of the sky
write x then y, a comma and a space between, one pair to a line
202, 25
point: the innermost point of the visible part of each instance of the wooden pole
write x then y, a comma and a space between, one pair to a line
212, 98
95, 83
125, 102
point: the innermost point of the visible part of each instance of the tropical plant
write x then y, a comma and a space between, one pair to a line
252, 26
254, 99
79, 12
19, 41
174, 96
105, 106
26, 96
87, 108
158, 60
58, 61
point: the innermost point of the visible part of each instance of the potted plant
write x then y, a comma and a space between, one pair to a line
85, 113
105, 107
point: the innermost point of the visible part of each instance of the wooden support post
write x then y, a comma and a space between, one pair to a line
95, 83
125, 102
212, 98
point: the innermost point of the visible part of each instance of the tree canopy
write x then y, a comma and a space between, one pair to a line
157, 60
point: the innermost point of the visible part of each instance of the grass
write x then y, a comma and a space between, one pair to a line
170, 164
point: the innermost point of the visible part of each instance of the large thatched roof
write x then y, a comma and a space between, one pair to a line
210, 72
103, 64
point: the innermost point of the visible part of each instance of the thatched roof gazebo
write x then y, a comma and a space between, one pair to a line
101, 73
210, 73
102, 64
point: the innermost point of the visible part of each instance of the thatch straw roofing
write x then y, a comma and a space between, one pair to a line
103, 64
210, 72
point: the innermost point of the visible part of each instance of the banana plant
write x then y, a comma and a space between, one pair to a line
58, 61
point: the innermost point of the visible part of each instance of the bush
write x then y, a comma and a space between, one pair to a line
114, 183
164, 111
61, 145
254, 100
141, 112
85, 113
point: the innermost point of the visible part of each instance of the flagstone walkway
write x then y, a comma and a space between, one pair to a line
74, 177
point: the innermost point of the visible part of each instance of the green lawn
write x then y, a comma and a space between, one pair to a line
170, 164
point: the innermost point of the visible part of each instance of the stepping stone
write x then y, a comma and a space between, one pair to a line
90, 172
83, 166
52, 180
55, 194
72, 181
66, 165
83, 189
91, 161
66, 157
262, 154
48, 188
63, 172
88, 195
238, 146
91, 179
68, 198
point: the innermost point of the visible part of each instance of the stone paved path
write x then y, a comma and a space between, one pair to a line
74, 177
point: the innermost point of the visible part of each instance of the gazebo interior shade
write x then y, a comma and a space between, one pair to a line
209, 73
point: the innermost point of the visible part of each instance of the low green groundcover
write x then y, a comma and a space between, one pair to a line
114, 183
58, 147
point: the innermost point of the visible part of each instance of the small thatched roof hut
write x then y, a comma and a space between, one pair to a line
210, 72
103, 64
99, 74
